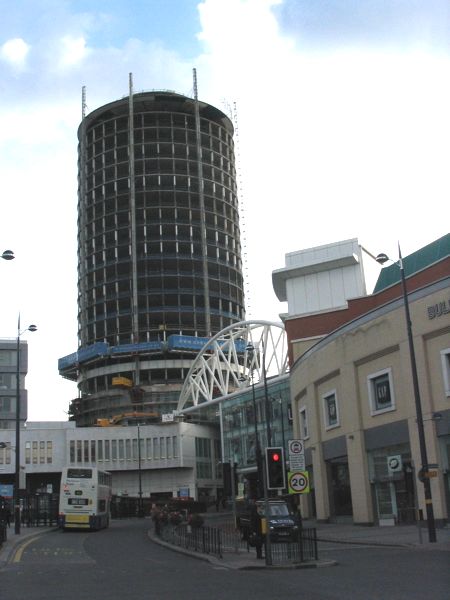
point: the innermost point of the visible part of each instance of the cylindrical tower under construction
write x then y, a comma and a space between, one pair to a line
159, 252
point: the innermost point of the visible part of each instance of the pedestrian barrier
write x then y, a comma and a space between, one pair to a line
206, 540
303, 549
211, 540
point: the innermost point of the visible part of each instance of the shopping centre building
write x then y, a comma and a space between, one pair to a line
351, 381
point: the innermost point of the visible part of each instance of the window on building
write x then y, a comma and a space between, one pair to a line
49, 452
107, 450
169, 447
330, 410
162, 446
5, 404
79, 454
128, 449
148, 442
203, 447
445, 357
100, 450
121, 450
303, 422
175, 446
156, 448
8, 358
35, 452
86, 451
41, 452
27, 453
381, 392
8, 453
93, 446
113, 449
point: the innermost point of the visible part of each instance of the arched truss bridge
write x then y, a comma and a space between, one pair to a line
238, 356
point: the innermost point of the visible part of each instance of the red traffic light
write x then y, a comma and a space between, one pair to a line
275, 468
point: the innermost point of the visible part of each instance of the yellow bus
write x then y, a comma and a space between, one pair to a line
85, 498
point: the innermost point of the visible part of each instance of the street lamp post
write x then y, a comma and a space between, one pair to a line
258, 456
266, 399
280, 402
382, 258
17, 468
140, 506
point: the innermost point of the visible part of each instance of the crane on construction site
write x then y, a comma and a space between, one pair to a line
118, 420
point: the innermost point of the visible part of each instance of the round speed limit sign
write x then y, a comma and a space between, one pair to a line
298, 482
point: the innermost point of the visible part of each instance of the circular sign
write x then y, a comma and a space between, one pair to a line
394, 463
296, 447
298, 481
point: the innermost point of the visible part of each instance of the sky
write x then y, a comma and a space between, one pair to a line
343, 131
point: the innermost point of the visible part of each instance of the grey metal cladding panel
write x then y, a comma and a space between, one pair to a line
387, 435
334, 448
443, 424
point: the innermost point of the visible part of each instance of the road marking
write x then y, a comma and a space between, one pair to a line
18, 554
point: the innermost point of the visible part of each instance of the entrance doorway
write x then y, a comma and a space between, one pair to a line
339, 486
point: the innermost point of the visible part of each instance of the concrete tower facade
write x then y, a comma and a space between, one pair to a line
159, 251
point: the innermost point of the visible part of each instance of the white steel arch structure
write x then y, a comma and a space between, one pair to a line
239, 355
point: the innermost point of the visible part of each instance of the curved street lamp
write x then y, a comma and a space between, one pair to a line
17, 469
8, 255
383, 258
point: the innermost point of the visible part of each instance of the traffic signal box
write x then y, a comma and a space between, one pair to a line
276, 478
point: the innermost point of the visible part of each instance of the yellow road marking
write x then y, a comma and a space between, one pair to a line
18, 554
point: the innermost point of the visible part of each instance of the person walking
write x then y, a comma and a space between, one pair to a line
256, 530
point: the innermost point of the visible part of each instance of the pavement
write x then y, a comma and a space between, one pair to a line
405, 536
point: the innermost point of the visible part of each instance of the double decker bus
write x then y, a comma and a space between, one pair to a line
85, 498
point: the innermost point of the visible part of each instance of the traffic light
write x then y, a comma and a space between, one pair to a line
275, 468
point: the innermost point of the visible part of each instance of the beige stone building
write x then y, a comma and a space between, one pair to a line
352, 393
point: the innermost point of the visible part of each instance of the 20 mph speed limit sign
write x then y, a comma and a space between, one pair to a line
298, 482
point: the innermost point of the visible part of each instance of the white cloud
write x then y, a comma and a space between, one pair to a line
337, 143
73, 51
15, 52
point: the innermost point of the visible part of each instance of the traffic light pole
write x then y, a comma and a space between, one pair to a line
267, 514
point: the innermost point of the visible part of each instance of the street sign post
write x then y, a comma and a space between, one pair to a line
298, 482
296, 455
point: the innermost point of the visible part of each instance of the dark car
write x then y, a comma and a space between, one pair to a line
282, 524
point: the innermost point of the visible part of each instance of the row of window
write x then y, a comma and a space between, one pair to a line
36, 453
143, 118
176, 249
154, 231
160, 205
93, 451
150, 183
163, 141
380, 392
118, 330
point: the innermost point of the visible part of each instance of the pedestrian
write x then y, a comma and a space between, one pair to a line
256, 530
8, 515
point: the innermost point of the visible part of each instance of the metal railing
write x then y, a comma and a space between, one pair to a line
303, 549
211, 540
206, 540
